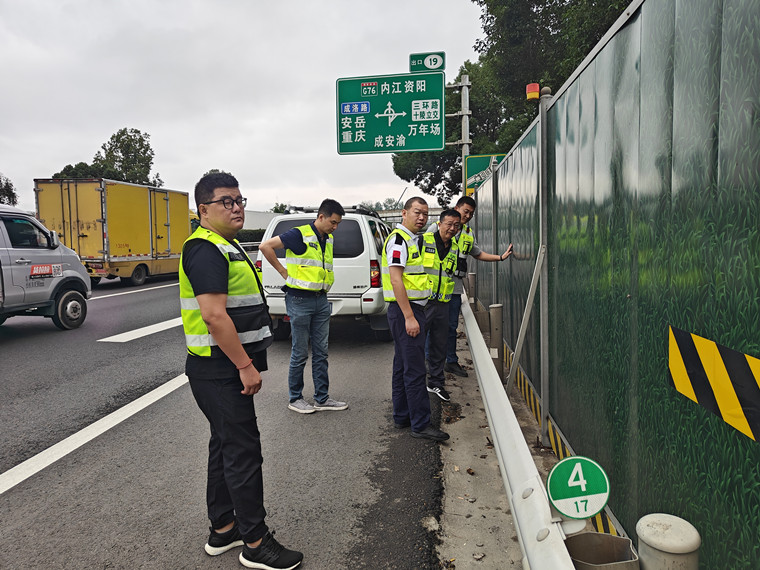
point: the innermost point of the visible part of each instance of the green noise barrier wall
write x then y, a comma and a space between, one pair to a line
653, 209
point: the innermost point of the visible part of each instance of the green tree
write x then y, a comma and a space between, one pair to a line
126, 156
79, 170
7, 191
279, 208
525, 41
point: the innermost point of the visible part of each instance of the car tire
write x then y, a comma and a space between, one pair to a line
282, 332
70, 310
2, 320
383, 335
94, 281
138, 276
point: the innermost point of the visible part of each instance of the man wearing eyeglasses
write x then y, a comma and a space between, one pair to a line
440, 260
308, 277
466, 245
227, 331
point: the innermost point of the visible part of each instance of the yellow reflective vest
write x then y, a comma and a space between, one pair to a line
415, 279
439, 271
313, 269
245, 303
464, 243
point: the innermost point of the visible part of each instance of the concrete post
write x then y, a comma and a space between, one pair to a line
667, 542
471, 284
497, 342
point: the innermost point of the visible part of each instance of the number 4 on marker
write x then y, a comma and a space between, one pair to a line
576, 478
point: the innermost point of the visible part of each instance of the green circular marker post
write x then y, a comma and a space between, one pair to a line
578, 487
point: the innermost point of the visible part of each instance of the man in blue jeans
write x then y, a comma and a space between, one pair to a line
308, 277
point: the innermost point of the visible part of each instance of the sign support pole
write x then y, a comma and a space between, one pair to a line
465, 114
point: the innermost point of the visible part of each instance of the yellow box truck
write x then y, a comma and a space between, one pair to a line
118, 229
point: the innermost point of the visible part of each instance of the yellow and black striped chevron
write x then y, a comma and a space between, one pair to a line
722, 380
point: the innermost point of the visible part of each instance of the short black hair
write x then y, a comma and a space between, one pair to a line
469, 200
414, 199
328, 207
451, 213
204, 189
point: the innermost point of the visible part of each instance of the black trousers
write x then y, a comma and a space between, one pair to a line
437, 325
410, 396
235, 489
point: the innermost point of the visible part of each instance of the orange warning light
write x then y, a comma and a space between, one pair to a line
531, 91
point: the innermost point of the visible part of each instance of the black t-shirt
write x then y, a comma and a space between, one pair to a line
443, 249
208, 272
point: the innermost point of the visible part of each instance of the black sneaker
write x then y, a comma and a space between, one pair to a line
455, 368
440, 392
402, 425
431, 433
270, 555
220, 542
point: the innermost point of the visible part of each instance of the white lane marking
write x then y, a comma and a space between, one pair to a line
135, 291
35, 464
144, 331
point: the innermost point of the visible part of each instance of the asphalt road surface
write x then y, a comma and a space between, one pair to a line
346, 488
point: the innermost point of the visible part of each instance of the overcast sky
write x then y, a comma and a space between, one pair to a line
246, 86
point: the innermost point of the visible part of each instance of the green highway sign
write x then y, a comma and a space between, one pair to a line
391, 113
435, 61
578, 487
477, 168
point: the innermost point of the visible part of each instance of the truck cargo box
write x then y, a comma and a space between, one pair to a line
118, 229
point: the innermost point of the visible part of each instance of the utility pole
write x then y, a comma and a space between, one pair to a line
465, 113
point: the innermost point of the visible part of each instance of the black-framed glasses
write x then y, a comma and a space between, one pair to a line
227, 202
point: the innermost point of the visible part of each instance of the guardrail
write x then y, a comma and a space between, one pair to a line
540, 535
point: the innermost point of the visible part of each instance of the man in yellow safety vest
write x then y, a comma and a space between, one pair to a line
227, 330
308, 277
440, 260
406, 288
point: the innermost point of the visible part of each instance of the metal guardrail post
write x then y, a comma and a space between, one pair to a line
541, 537
497, 342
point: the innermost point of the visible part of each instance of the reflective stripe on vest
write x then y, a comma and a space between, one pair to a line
249, 313
414, 278
464, 243
439, 271
312, 270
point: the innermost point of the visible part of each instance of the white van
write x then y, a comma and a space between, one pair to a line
357, 255
38, 275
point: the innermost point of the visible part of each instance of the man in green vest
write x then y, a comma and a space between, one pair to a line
406, 288
227, 330
466, 245
440, 259
308, 277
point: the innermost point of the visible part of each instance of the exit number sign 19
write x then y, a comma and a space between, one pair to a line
419, 62
578, 487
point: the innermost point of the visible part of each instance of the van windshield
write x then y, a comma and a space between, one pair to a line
348, 237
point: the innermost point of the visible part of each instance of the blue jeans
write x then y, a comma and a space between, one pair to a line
451, 340
309, 320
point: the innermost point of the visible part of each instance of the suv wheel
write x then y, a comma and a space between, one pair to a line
282, 332
383, 335
70, 310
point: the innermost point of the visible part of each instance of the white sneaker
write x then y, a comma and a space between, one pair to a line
330, 404
301, 406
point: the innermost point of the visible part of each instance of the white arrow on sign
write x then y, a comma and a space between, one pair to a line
390, 114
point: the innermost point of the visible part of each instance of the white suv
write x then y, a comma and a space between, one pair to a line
357, 255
